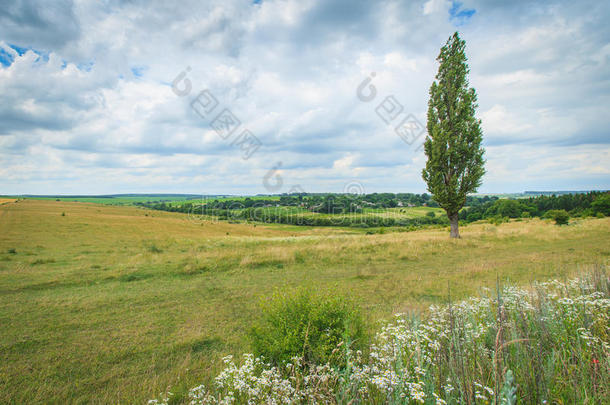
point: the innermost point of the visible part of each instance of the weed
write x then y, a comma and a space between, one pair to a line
155, 249
42, 261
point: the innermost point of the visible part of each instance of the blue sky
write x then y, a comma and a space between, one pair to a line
87, 104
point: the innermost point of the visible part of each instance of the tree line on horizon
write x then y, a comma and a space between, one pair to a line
293, 209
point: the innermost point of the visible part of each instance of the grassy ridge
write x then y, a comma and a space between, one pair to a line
115, 304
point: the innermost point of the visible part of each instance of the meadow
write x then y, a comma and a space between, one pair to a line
115, 304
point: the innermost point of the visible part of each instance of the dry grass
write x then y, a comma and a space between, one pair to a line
114, 304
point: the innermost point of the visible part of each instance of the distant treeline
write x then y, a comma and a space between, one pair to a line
323, 203
348, 210
576, 205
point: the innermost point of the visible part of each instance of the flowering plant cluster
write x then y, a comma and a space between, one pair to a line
546, 344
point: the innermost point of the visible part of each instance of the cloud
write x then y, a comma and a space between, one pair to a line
87, 103
50, 24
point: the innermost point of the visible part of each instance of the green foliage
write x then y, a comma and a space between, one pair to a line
506, 208
63, 214
561, 217
430, 214
508, 395
577, 205
602, 205
472, 216
302, 323
455, 157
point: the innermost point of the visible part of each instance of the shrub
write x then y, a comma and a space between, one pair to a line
560, 217
430, 214
498, 219
311, 326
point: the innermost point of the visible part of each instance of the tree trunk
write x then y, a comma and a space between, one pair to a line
453, 220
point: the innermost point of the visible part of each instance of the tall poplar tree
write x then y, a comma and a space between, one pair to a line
453, 146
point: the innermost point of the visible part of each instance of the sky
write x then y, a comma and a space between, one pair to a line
247, 97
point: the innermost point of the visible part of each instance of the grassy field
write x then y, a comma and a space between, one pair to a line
107, 304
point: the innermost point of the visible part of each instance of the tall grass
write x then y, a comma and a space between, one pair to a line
546, 344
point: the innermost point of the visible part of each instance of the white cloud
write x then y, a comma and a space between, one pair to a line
89, 107
436, 6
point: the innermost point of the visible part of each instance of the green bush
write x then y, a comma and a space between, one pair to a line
498, 219
306, 324
430, 214
560, 217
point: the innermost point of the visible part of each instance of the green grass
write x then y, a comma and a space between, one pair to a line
91, 312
